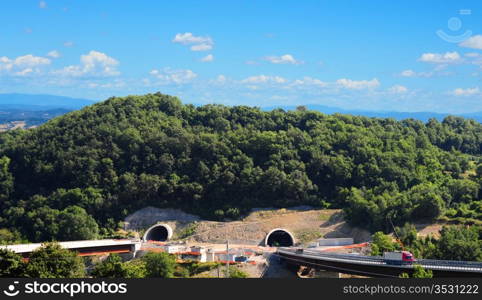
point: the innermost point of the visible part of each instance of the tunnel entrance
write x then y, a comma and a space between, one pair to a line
158, 233
279, 238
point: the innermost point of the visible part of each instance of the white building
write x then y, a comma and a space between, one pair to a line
172, 249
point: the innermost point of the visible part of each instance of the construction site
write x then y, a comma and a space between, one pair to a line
267, 243
249, 243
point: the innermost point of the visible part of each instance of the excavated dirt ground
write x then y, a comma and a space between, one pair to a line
305, 224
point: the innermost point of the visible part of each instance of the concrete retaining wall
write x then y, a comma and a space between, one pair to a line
335, 242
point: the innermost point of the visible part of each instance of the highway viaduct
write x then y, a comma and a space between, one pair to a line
374, 266
83, 248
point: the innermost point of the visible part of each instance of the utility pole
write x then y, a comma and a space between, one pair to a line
227, 258
227, 251
395, 233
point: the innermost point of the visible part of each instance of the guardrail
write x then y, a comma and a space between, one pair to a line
333, 255
457, 263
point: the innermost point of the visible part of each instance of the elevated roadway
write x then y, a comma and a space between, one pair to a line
375, 266
83, 248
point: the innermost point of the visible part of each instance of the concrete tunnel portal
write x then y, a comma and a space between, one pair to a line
279, 238
158, 233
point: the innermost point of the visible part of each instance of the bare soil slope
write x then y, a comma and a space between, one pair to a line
305, 224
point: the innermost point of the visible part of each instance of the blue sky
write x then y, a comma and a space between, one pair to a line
410, 56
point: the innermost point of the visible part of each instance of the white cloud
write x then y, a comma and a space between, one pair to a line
438, 58
398, 89
219, 80
68, 44
23, 65
263, 79
54, 54
201, 47
31, 61
188, 38
358, 85
5, 63
92, 64
118, 83
474, 58
42, 4
95, 58
283, 59
309, 81
24, 72
460, 92
170, 76
207, 58
411, 73
474, 42
408, 73
471, 54
198, 43
306, 84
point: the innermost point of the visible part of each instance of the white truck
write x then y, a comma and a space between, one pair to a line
398, 258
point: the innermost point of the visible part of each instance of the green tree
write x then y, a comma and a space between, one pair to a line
114, 267
90, 199
76, 224
6, 180
427, 202
235, 273
52, 261
111, 267
460, 243
160, 265
464, 190
382, 243
478, 171
407, 234
8, 237
135, 269
11, 264
42, 223
418, 272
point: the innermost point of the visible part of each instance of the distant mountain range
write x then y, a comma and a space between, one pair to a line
15, 104
40, 102
423, 116
25, 111
8, 114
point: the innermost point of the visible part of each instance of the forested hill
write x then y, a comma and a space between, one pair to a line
92, 167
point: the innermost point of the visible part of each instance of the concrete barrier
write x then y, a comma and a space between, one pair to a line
335, 242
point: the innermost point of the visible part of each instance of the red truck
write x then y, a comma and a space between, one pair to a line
398, 258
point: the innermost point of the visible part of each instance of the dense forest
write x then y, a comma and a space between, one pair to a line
78, 175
